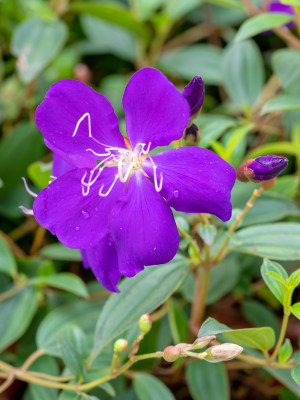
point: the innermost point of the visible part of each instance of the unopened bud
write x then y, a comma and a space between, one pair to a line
192, 134
203, 341
171, 353
120, 345
262, 168
145, 323
194, 93
82, 73
222, 352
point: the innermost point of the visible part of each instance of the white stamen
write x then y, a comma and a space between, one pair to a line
98, 154
110, 188
157, 187
79, 122
148, 148
26, 210
27, 188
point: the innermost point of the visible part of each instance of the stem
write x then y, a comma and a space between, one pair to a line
11, 292
198, 307
281, 336
220, 254
30, 360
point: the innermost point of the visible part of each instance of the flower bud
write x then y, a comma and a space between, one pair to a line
192, 134
262, 168
203, 341
194, 93
222, 352
171, 353
82, 73
145, 323
120, 345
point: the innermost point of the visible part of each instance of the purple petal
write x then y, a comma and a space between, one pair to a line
143, 227
60, 166
277, 7
194, 180
68, 101
155, 111
78, 221
103, 261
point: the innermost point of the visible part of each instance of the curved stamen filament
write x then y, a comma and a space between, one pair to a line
88, 115
110, 188
26, 210
157, 187
27, 188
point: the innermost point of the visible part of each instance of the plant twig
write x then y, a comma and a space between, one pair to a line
285, 321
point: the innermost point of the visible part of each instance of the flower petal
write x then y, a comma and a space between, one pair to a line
143, 227
66, 102
103, 261
155, 111
194, 180
78, 221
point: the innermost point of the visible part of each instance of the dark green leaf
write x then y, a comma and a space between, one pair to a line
46, 365
139, 295
207, 381
147, 387
295, 372
36, 42
261, 23
16, 314
7, 261
259, 314
257, 338
65, 281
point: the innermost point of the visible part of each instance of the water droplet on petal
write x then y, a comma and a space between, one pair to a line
154, 248
176, 193
77, 228
85, 214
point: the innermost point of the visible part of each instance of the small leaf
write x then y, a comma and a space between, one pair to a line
40, 173
261, 23
274, 285
73, 348
65, 280
139, 295
148, 387
207, 381
295, 308
257, 338
207, 233
281, 103
57, 251
286, 351
36, 42
294, 279
278, 278
295, 372
7, 261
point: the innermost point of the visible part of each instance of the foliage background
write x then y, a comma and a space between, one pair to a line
251, 108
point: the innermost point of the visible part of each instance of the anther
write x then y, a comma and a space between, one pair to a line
27, 188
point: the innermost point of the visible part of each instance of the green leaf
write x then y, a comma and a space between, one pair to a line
40, 173
213, 130
65, 281
68, 395
276, 148
114, 13
192, 60
277, 277
294, 279
295, 372
139, 295
261, 23
279, 241
105, 37
236, 136
295, 308
36, 42
148, 387
7, 261
284, 376
243, 72
276, 287
207, 381
207, 233
46, 365
258, 338
80, 313
58, 251
259, 314
286, 351
73, 348
228, 3
281, 103
16, 314
176, 9
286, 65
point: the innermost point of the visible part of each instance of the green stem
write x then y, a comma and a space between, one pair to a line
281, 336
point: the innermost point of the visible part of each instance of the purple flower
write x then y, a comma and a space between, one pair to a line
114, 202
278, 7
194, 93
262, 168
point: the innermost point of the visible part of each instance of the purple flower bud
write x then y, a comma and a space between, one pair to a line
265, 168
194, 93
192, 134
277, 7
